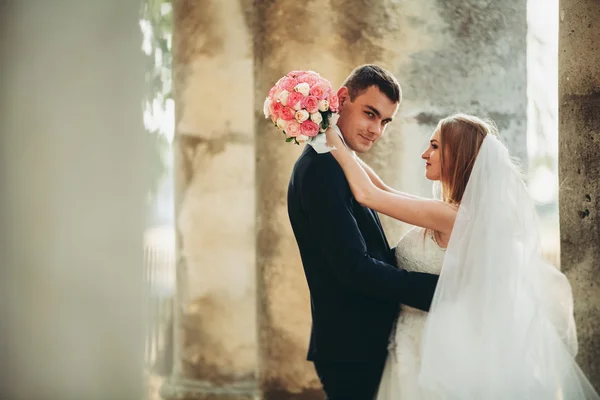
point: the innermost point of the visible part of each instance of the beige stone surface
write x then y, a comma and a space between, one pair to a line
215, 337
284, 313
284, 318
579, 170
216, 289
453, 56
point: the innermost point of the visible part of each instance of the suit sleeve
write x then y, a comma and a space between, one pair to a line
327, 201
393, 255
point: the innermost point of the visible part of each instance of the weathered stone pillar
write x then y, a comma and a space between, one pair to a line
73, 152
283, 298
215, 330
579, 170
449, 56
453, 56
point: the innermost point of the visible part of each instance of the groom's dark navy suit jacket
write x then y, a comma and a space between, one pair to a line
355, 285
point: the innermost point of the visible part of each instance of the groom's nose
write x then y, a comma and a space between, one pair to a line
375, 130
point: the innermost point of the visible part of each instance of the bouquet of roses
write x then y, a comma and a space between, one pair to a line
302, 104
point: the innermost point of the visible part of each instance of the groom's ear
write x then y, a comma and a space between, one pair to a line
343, 95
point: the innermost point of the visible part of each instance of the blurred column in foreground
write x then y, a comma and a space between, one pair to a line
73, 156
579, 170
215, 326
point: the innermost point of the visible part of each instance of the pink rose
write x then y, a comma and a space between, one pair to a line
288, 83
279, 83
295, 100
292, 129
276, 108
310, 78
272, 92
325, 82
311, 103
286, 114
294, 73
309, 128
334, 103
276, 94
319, 91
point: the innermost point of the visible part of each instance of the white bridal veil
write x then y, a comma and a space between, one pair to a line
501, 324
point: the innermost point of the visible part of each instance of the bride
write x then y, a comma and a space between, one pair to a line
501, 323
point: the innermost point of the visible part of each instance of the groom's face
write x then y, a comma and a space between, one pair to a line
364, 119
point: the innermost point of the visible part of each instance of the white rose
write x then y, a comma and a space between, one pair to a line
267, 107
317, 118
281, 124
303, 88
323, 105
283, 97
333, 119
301, 138
301, 116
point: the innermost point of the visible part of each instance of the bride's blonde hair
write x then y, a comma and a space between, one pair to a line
461, 136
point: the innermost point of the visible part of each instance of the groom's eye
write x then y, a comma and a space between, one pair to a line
370, 114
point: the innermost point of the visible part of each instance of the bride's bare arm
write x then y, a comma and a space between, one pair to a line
414, 210
377, 181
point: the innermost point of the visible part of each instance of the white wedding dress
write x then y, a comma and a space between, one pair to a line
416, 251
501, 322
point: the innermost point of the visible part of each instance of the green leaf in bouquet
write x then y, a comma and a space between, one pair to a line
325, 115
290, 139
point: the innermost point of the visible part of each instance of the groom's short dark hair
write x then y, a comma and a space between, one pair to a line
368, 75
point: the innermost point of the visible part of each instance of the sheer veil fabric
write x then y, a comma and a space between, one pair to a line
501, 323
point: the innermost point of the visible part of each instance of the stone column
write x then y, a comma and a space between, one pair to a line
449, 56
73, 156
283, 298
453, 56
579, 170
215, 330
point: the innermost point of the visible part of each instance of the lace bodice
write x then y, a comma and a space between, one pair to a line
419, 251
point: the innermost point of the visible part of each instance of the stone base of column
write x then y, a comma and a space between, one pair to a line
184, 389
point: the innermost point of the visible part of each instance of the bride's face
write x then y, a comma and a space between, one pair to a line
433, 163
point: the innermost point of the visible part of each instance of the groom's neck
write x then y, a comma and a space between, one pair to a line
346, 142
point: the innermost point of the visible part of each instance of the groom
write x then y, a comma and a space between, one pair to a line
355, 285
